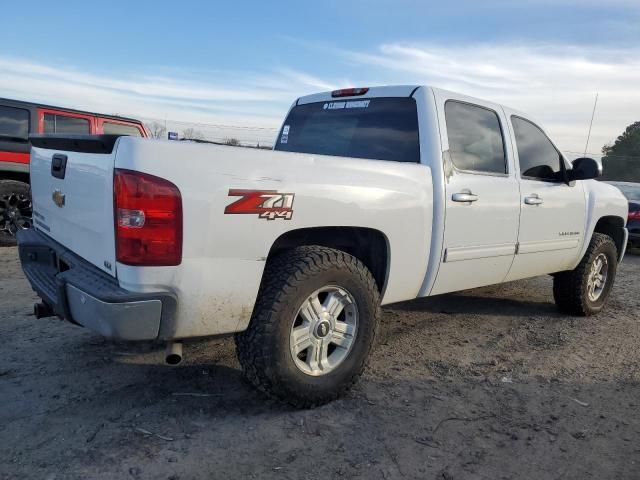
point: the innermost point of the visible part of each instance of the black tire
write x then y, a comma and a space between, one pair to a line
13, 194
570, 289
263, 349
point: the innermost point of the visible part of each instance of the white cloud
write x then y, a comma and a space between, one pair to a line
626, 4
556, 84
233, 99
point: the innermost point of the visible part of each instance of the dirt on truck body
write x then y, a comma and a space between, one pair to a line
488, 383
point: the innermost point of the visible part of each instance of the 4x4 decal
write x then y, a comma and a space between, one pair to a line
267, 204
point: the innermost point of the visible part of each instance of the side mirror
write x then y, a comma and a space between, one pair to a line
583, 169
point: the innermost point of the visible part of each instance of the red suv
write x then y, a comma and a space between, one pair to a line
17, 121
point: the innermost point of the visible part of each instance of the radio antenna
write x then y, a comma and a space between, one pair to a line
586, 147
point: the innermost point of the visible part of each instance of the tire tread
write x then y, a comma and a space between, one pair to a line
284, 275
569, 288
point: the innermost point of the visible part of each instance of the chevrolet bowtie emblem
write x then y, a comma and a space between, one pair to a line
58, 198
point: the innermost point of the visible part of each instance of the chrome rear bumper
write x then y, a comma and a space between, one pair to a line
82, 294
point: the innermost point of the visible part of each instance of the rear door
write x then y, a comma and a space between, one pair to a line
73, 203
481, 194
553, 214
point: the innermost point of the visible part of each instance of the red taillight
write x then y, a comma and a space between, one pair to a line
148, 219
349, 92
634, 215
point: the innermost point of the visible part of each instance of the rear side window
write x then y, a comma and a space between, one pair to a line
63, 124
376, 128
119, 129
538, 158
14, 124
475, 138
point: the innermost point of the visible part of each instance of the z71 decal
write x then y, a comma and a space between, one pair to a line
267, 204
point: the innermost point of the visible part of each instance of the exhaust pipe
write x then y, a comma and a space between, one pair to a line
42, 310
173, 355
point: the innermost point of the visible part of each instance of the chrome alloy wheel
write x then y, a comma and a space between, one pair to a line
15, 213
597, 277
324, 330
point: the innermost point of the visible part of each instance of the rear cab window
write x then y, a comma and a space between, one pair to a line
112, 128
14, 124
380, 128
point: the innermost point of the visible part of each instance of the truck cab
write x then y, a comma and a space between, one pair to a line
499, 180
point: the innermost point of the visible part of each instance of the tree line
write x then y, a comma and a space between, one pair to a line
621, 160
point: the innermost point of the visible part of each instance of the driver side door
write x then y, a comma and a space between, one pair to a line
552, 213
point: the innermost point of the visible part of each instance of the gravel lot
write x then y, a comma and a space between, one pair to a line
490, 383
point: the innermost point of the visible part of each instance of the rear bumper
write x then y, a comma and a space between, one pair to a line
82, 294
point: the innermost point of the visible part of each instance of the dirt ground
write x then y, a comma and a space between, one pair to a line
491, 383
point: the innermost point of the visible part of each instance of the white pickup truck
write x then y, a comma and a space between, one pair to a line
370, 196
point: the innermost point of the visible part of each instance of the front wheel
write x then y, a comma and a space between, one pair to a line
312, 328
584, 290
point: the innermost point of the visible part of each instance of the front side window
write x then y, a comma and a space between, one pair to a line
110, 128
14, 124
374, 128
538, 158
475, 138
63, 124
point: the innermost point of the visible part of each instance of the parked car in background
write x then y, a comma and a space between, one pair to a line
632, 192
19, 119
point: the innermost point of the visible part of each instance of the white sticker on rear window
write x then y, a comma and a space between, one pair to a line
341, 105
285, 130
284, 138
334, 105
358, 104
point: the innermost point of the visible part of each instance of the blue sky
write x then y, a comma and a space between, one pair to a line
241, 63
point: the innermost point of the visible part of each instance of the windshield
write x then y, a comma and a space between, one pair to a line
376, 128
629, 191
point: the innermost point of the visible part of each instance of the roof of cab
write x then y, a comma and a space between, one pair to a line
396, 91
25, 104
388, 91
407, 91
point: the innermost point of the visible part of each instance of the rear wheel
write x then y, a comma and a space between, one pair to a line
313, 326
584, 290
15, 210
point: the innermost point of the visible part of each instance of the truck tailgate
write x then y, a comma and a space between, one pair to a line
75, 207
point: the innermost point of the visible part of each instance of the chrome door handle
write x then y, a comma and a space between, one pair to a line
464, 197
533, 200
